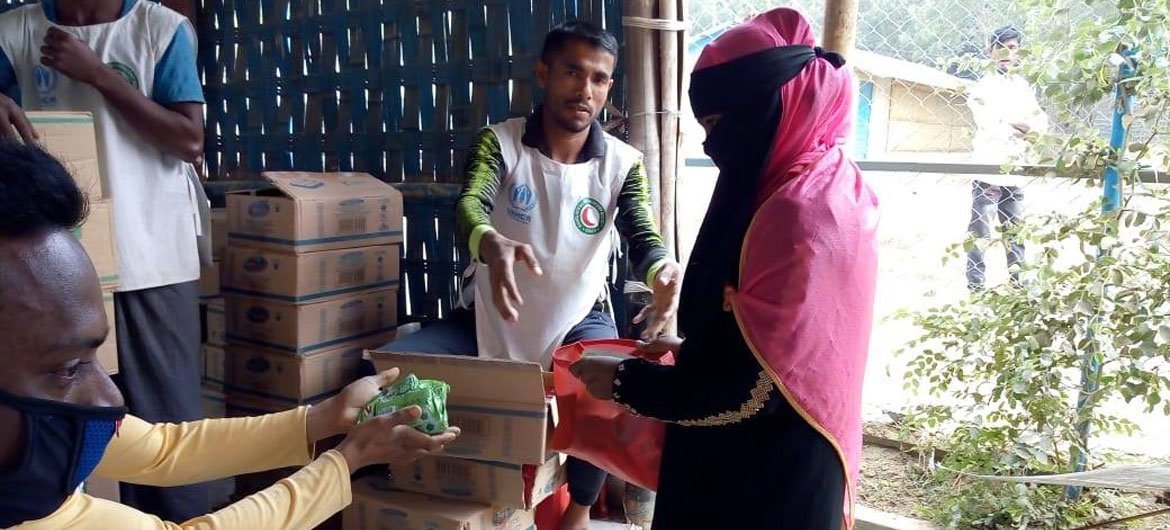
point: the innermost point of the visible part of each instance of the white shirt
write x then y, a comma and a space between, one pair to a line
154, 202
997, 101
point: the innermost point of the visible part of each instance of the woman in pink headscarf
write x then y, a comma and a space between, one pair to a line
764, 405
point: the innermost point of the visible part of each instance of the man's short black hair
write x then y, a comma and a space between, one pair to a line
562, 35
37, 193
1004, 35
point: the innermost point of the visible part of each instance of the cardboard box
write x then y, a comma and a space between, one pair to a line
215, 319
214, 402
309, 212
214, 303
376, 506
241, 403
219, 233
283, 376
209, 281
71, 137
495, 483
107, 353
499, 405
96, 235
306, 328
214, 364
311, 277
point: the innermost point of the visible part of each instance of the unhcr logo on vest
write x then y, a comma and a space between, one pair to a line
46, 81
521, 202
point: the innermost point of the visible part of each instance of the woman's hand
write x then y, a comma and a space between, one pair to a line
597, 372
338, 414
663, 345
390, 439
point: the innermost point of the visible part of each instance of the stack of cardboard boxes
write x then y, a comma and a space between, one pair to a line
493, 476
214, 323
71, 137
214, 341
310, 277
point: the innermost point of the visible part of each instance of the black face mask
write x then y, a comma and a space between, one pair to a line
740, 141
62, 446
745, 92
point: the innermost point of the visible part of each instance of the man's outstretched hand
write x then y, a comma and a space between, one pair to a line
662, 308
501, 254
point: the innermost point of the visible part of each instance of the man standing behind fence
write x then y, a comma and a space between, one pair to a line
131, 63
1005, 110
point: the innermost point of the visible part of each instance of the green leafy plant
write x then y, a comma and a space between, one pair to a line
1003, 368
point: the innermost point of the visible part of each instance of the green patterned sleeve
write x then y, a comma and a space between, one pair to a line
485, 169
635, 222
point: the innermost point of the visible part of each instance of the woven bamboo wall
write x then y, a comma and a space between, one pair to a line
396, 88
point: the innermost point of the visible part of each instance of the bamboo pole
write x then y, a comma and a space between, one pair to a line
642, 74
840, 26
670, 55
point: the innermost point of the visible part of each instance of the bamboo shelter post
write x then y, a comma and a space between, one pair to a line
840, 26
670, 53
642, 94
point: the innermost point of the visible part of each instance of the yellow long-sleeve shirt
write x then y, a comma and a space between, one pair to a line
188, 453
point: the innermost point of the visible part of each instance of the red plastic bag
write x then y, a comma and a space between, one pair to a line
551, 511
602, 432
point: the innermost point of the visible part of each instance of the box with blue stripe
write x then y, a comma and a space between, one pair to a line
378, 506
311, 212
520, 486
279, 376
499, 405
301, 329
312, 277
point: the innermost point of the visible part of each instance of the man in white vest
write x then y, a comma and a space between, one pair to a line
550, 192
132, 64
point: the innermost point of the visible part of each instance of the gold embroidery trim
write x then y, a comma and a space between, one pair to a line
754, 404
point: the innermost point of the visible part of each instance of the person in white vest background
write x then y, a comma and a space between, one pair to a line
544, 199
132, 64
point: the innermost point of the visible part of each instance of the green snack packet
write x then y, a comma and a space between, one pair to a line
429, 395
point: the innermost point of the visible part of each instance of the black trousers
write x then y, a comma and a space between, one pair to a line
989, 201
159, 375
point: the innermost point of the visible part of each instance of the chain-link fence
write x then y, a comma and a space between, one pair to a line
919, 117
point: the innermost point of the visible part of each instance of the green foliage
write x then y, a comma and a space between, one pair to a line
1005, 365
1075, 63
1003, 368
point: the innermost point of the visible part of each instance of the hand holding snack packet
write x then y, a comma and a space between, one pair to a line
429, 396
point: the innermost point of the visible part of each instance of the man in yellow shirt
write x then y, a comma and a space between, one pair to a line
62, 419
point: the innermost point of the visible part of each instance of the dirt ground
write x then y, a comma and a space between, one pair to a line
897, 482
